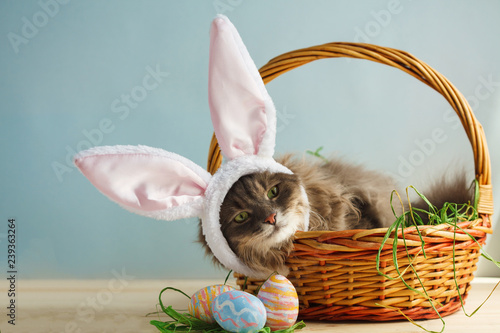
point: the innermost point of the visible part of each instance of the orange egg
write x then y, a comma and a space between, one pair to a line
281, 302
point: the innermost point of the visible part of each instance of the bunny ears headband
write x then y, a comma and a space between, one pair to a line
163, 185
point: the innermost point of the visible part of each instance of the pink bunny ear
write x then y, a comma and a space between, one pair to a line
146, 181
242, 111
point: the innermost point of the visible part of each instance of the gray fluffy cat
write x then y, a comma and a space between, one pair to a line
254, 202
262, 211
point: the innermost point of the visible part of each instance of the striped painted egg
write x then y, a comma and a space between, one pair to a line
238, 311
281, 301
200, 305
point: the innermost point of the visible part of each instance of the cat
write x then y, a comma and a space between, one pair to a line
262, 211
253, 202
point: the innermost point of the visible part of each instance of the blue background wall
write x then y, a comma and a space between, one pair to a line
65, 67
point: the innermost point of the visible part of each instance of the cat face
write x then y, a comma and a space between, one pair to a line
259, 216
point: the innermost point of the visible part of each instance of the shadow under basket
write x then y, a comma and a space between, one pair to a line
335, 272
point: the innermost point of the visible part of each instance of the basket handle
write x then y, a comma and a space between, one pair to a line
407, 63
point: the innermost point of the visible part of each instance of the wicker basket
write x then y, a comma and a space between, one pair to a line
335, 273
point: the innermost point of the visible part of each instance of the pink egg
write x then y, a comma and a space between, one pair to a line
281, 302
200, 305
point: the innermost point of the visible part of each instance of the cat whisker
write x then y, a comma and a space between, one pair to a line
320, 217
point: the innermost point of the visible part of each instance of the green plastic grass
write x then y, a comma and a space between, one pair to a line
451, 214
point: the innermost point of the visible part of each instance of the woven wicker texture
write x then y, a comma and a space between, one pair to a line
335, 273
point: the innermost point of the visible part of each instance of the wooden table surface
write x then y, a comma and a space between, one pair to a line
121, 303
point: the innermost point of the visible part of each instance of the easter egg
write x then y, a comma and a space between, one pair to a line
238, 311
200, 305
281, 302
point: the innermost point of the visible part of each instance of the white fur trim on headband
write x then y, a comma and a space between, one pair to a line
219, 186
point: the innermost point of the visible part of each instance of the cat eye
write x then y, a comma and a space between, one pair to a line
241, 217
273, 192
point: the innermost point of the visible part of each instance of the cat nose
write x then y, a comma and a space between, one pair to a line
271, 219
